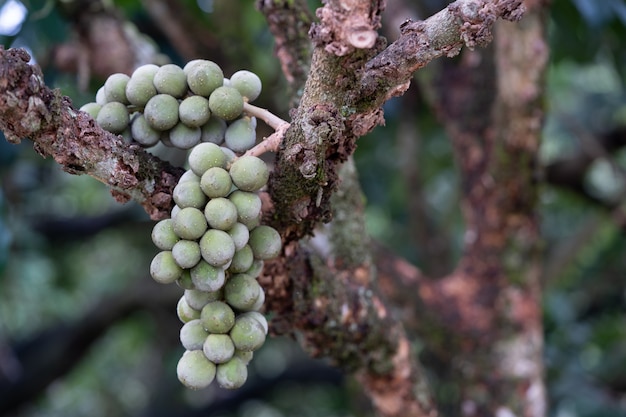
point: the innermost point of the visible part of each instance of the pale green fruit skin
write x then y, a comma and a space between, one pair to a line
256, 268
186, 253
258, 317
163, 235
185, 312
113, 117
198, 299
161, 112
203, 77
204, 156
146, 71
248, 83
249, 207
91, 109
189, 194
194, 111
258, 304
217, 247
248, 334
184, 137
115, 88
214, 130
240, 135
189, 175
193, 335
140, 89
241, 291
206, 277
242, 260
240, 234
265, 242
217, 317
142, 132
249, 173
189, 223
100, 97
245, 357
194, 370
164, 269
216, 182
221, 213
218, 348
184, 281
232, 374
170, 79
226, 103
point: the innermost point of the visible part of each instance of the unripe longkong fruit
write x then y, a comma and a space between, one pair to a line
226, 103
194, 370
249, 173
161, 112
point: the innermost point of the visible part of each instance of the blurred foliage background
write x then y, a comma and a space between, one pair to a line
74, 262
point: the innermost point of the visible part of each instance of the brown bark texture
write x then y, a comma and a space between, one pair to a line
344, 301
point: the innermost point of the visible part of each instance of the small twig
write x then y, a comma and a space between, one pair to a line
268, 117
269, 144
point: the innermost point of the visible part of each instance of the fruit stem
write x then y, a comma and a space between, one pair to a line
268, 117
270, 143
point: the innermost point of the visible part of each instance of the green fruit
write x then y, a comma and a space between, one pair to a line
189, 223
161, 112
245, 357
218, 348
115, 88
184, 137
203, 77
189, 175
265, 242
249, 173
113, 117
185, 312
198, 299
140, 89
258, 317
142, 132
216, 182
240, 235
240, 135
170, 79
91, 109
146, 71
206, 277
221, 213
217, 317
248, 334
204, 156
186, 253
100, 97
256, 268
217, 247
184, 281
194, 370
258, 304
193, 335
213, 131
232, 374
241, 291
242, 260
189, 194
248, 207
194, 111
174, 212
163, 235
226, 103
248, 84
164, 269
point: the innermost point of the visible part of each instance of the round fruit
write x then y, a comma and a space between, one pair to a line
194, 370
258, 304
184, 137
248, 334
186, 253
142, 132
184, 312
170, 79
217, 317
242, 260
240, 234
241, 291
265, 242
189, 194
249, 173
206, 277
216, 182
213, 131
113, 117
164, 269
194, 111
226, 103
189, 223
258, 317
256, 268
146, 71
161, 112
91, 109
203, 77
248, 207
218, 348
204, 156
245, 357
163, 235
184, 281
217, 247
193, 335
115, 88
220, 213
240, 135
232, 374
198, 299
140, 89
248, 84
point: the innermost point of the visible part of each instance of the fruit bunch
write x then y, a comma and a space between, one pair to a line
213, 245
179, 107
